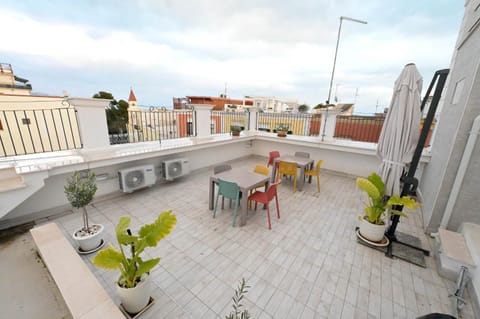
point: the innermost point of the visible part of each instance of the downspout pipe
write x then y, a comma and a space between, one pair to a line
462, 170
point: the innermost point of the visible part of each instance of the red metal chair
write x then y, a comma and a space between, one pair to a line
272, 156
265, 198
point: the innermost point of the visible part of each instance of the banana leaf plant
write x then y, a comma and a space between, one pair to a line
378, 203
127, 259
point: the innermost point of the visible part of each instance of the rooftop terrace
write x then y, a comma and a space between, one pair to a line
309, 265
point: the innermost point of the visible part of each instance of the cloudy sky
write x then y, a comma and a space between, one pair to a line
173, 48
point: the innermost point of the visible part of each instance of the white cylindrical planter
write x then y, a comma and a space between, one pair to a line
135, 299
371, 231
90, 242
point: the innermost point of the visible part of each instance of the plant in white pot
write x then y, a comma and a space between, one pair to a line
80, 190
379, 207
133, 285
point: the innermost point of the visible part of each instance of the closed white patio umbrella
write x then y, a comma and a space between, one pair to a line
401, 129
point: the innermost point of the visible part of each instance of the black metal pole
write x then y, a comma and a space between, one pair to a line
409, 181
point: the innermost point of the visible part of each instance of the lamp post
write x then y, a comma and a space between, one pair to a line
335, 62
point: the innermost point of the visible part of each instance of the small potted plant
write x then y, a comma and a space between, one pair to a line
235, 130
133, 285
282, 130
379, 207
80, 190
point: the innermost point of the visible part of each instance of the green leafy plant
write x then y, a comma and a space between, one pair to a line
237, 312
235, 128
282, 127
130, 264
80, 190
379, 203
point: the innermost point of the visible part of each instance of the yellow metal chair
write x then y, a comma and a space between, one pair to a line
315, 172
288, 169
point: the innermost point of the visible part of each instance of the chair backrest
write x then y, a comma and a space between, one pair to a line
302, 154
317, 166
287, 168
272, 190
221, 168
228, 190
271, 156
261, 169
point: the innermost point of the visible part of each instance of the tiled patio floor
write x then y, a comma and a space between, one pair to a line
308, 266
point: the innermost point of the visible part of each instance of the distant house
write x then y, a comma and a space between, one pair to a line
219, 103
272, 104
12, 84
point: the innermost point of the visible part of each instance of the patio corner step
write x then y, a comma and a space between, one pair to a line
83, 294
453, 252
10, 180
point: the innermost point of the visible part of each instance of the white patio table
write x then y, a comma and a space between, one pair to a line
246, 180
302, 163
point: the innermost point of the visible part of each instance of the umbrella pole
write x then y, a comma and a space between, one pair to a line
410, 183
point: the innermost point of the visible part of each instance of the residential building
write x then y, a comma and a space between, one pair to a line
219, 103
272, 104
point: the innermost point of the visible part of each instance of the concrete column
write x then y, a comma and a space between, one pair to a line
203, 121
253, 115
92, 121
329, 121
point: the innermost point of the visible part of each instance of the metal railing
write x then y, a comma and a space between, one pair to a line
359, 128
25, 132
155, 125
304, 124
223, 122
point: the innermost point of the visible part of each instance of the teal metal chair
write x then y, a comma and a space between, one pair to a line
230, 191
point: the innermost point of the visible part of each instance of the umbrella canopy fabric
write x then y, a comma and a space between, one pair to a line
401, 129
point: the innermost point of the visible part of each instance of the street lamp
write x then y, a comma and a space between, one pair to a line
336, 51
334, 63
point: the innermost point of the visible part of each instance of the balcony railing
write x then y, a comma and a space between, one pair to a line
155, 125
46, 130
25, 132
304, 124
222, 122
359, 128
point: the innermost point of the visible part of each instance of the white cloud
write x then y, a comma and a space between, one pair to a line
268, 46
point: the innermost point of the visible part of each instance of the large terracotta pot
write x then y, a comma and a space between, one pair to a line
135, 299
371, 231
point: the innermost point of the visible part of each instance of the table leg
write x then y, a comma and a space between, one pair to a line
302, 178
244, 207
211, 194
274, 172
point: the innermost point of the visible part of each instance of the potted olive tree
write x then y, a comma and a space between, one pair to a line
80, 190
379, 207
133, 285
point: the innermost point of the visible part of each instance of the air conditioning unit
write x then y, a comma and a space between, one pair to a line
134, 178
175, 168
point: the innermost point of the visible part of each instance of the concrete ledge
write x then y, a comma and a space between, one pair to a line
83, 294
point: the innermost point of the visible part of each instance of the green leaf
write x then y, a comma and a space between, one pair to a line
368, 187
146, 266
108, 258
376, 180
153, 233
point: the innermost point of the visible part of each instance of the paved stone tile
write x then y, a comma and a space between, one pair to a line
308, 266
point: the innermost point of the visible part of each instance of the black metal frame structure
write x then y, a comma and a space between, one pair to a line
409, 181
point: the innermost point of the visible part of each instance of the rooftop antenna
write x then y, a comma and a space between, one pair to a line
225, 94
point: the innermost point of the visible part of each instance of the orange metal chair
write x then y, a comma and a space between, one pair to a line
315, 172
288, 169
272, 156
266, 198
